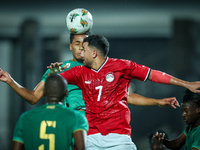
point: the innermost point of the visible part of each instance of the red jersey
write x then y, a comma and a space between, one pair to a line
105, 92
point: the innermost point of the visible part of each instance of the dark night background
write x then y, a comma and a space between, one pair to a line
163, 35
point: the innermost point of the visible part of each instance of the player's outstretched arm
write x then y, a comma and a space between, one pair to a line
192, 86
135, 99
30, 96
80, 139
161, 77
171, 144
17, 146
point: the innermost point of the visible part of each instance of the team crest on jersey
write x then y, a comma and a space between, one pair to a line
109, 77
68, 65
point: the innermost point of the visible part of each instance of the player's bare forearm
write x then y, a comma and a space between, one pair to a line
135, 99
31, 97
17, 146
171, 144
192, 86
164, 78
80, 139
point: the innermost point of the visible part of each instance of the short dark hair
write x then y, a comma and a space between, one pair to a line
98, 41
191, 97
71, 37
55, 86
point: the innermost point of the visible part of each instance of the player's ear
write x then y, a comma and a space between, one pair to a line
94, 53
66, 93
70, 46
198, 110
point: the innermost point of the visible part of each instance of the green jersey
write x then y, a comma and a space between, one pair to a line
74, 99
49, 126
192, 137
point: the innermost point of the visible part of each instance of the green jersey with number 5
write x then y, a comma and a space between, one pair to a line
49, 126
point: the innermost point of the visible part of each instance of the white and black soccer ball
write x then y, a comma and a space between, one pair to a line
79, 21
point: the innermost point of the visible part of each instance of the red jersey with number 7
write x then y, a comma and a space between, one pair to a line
105, 92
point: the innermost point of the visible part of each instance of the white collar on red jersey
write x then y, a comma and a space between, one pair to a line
101, 65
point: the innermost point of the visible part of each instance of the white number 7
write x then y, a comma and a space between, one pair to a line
100, 91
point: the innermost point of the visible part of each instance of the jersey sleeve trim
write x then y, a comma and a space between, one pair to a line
80, 130
18, 140
147, 76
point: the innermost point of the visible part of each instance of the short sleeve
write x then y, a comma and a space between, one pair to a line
45, 75
18, 131
139, 72
72, 75
81, 122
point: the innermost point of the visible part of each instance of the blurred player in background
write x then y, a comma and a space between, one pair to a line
104, 82
51, 126
190, 137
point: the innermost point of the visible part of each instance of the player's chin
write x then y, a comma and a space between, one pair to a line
86, 64
79, 57
187, 121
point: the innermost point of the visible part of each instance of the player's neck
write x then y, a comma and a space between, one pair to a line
50, 102
53, 100
98, 62
73, 59
196, 124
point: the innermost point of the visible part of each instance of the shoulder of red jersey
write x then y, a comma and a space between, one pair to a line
126, 63
78, 67
74, 70
121, 61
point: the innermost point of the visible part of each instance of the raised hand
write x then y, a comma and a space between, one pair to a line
194, 86
160, 137
4, 76
55, 68
166, 102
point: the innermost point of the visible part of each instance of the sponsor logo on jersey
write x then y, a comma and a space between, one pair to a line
87, 82
50, 107
109, 77
68, 65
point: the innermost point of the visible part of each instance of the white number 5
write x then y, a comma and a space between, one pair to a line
100, 91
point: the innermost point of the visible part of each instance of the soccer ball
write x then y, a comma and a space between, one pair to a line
79, 21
